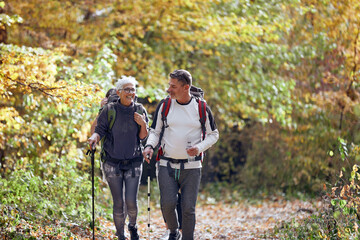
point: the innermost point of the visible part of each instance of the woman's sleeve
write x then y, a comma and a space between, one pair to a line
102, 122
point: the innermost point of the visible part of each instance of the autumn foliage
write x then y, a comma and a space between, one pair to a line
281, 77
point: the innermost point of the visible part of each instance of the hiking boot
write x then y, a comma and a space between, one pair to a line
133, 233
175, 236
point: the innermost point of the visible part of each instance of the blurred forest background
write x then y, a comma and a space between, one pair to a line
281, 77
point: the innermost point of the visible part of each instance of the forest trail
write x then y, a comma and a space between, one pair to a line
230, 221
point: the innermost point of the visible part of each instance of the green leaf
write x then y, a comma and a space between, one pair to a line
342, 203
346, 211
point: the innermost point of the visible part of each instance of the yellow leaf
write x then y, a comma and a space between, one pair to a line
343, 191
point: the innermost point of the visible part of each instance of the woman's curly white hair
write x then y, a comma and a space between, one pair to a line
125, 80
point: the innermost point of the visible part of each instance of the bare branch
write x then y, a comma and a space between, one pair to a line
31, 85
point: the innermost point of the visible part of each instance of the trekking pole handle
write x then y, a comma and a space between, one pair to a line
93, 146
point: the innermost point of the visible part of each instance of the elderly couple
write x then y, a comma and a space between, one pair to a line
179, 165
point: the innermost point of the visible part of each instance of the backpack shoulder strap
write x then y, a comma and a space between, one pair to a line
165, 109
202, 114
139, 108
111, 115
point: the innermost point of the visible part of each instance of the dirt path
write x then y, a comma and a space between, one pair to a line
232, 221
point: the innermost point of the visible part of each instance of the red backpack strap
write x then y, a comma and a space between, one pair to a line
165, 110
202, 114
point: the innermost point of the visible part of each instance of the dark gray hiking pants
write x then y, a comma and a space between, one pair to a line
189, 183
117, 183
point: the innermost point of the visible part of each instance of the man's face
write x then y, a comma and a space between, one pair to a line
176, 89
127, 94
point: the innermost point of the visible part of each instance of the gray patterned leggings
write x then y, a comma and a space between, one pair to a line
123, 187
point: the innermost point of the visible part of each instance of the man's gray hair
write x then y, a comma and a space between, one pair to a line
125, 80
182, 76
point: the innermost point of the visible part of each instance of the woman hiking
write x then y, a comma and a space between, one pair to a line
123, 125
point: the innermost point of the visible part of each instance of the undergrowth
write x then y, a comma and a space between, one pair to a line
340, 217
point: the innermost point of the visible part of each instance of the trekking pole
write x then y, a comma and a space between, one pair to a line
92, 152
148, 180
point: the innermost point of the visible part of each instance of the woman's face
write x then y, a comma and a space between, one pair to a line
127, 94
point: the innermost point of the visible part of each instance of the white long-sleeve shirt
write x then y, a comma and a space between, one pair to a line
184, 126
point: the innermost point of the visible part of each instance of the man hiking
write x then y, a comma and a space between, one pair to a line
183, 138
